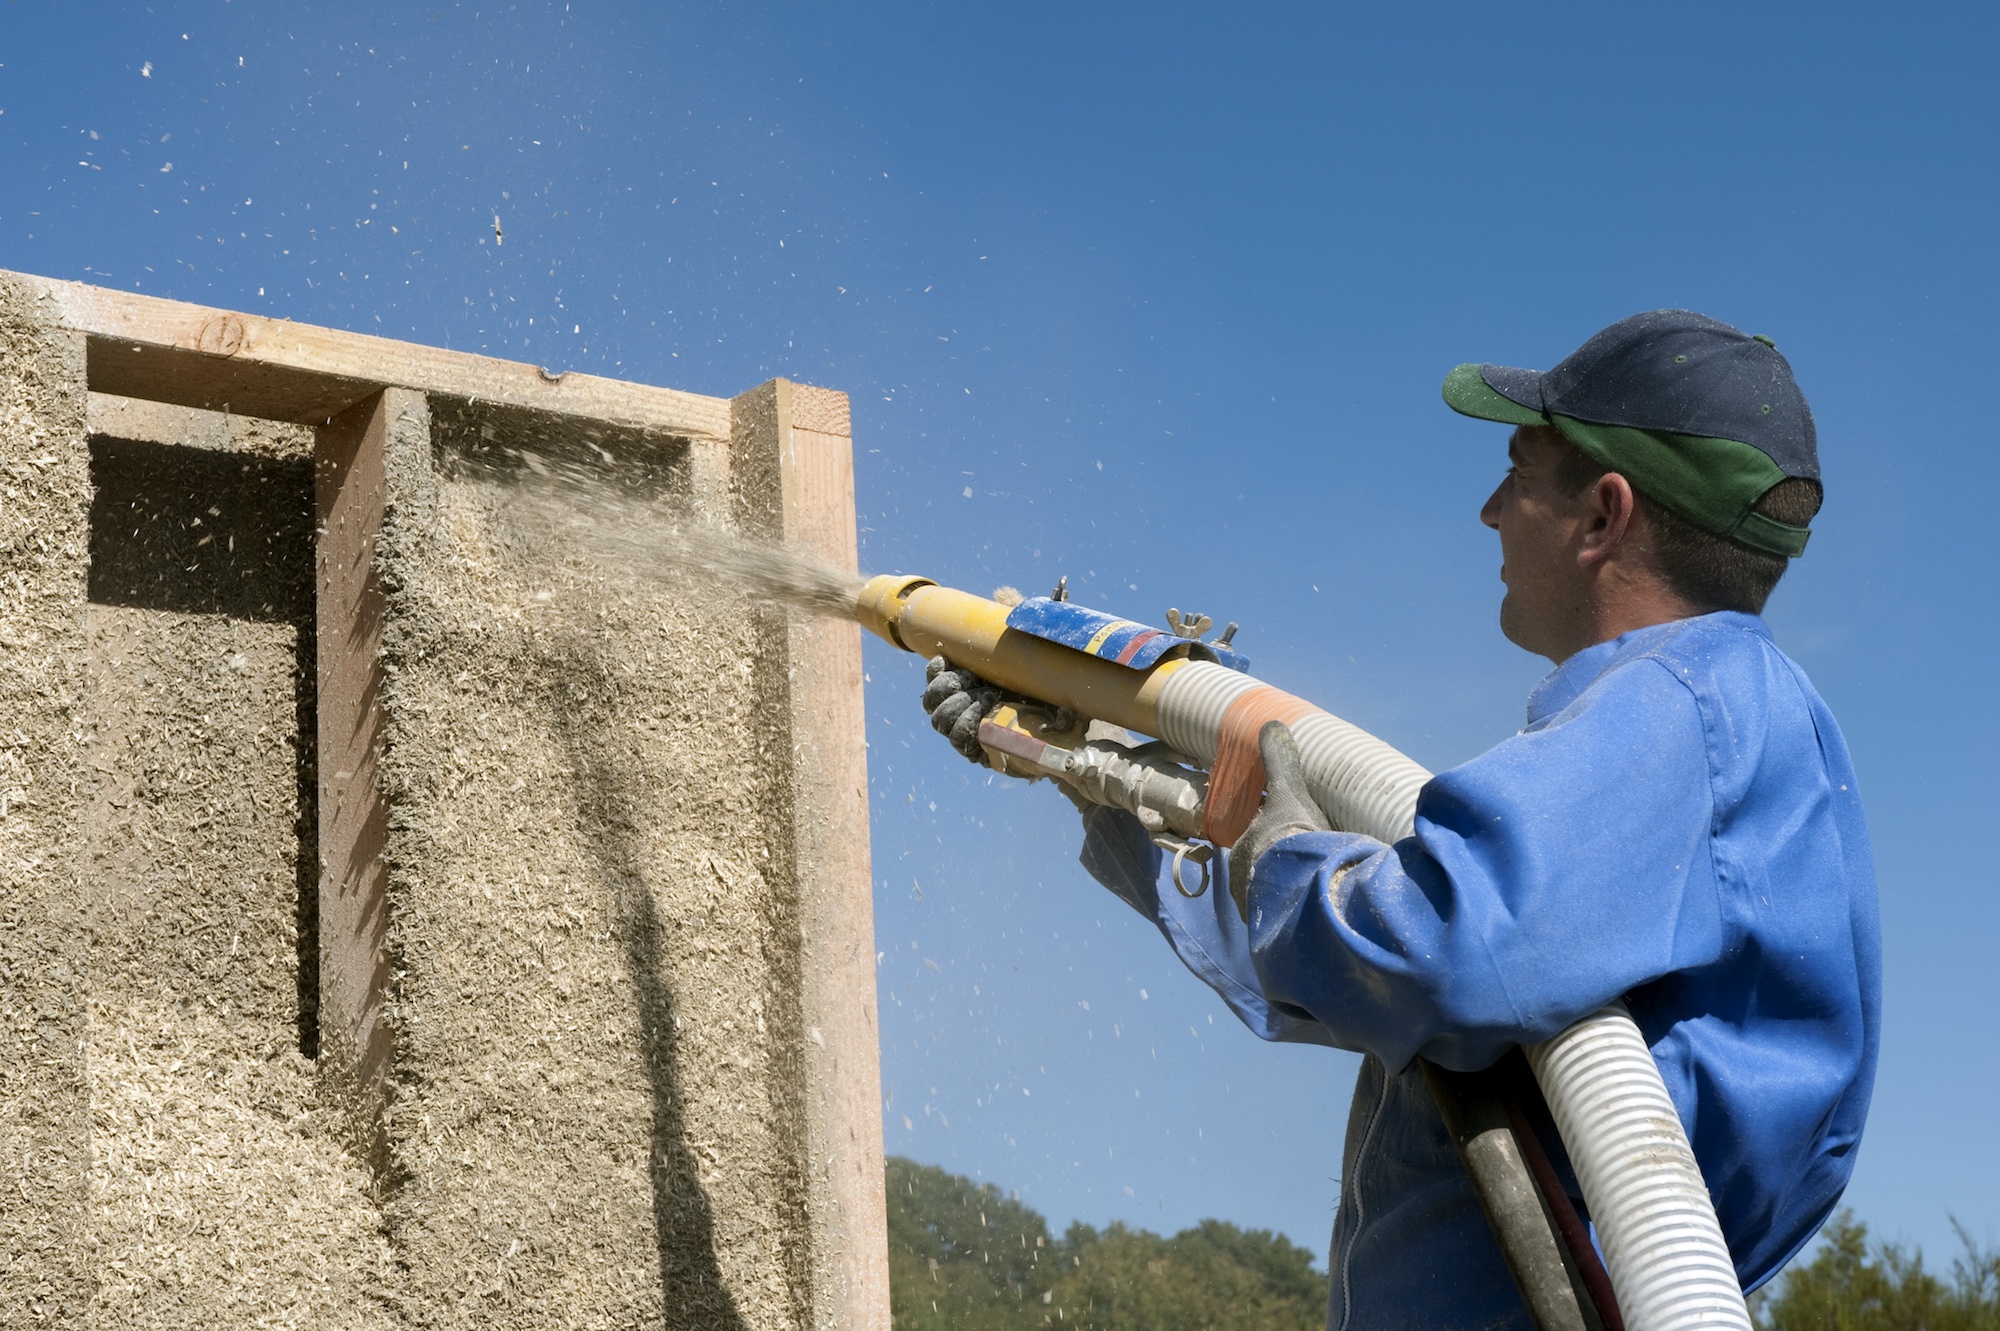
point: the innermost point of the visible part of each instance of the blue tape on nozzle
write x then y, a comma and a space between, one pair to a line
1124, 641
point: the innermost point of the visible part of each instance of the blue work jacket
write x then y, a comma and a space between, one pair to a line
1678, 825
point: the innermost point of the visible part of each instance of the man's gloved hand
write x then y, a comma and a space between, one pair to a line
1288, 808
957, 701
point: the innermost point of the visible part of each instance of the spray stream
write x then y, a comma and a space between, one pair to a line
562, 509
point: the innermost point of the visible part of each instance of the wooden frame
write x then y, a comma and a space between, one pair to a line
218, 360
783, 452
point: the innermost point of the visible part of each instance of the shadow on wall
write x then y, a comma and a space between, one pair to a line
691, 1284
705, 1240
201, 531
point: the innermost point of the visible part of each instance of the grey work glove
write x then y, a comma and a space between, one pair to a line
957, 701
1288, 808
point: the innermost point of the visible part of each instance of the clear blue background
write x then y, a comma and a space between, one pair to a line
1159, 297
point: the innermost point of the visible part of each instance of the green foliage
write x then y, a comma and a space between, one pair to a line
1214, 1277
1849, 1286
962, 1256
965, 1257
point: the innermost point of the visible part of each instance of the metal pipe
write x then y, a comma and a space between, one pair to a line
1493, 1157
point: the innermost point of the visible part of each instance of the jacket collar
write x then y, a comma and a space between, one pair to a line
1566, 683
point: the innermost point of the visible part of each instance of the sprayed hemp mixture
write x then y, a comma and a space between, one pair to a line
44, 494
597, 1107
598, 1110
220, 1191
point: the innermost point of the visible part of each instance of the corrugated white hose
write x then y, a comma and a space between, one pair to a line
1662, 1245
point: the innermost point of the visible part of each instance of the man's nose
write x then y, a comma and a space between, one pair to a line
1490, 512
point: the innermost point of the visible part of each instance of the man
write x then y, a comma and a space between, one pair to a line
1677, 825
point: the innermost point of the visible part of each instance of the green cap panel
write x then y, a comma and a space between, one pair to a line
1469, 395
1713, 483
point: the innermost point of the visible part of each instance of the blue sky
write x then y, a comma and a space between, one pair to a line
1158, 297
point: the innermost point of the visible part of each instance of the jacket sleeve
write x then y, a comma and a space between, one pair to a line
1205, 932
1550, 875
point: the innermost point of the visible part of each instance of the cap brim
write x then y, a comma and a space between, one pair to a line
1467, 392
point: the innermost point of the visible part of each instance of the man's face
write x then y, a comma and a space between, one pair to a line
1538, 524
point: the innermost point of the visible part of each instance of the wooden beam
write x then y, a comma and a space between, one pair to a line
219, 360
802, 435
837, 906
351, 488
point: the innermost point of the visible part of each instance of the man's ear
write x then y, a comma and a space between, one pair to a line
1609, 505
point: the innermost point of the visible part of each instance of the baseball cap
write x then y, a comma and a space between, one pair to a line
1701, 417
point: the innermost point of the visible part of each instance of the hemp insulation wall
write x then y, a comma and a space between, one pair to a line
409, 921
217, 1182
44, 1112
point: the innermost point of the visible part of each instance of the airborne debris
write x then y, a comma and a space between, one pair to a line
567, 507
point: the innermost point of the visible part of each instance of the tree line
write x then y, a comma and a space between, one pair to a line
966, 1256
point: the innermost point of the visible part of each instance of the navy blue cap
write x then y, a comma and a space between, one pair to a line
1701, 417
1677, 372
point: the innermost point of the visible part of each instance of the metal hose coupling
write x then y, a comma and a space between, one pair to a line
1150, 781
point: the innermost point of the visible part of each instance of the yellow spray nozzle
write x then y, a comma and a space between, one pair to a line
880, 606
917, 615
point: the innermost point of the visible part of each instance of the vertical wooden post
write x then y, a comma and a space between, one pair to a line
804, 434
350, 491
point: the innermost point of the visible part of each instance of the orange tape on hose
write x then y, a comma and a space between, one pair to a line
1236, 778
